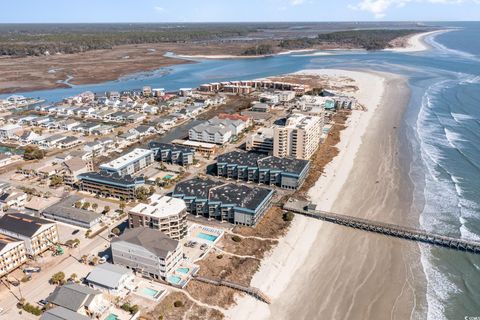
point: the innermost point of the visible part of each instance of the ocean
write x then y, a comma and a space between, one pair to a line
441, 133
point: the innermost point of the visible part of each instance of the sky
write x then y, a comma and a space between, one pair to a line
71, 11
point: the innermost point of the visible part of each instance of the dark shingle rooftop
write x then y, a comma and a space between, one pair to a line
240, 195
22, 223
198, 188
249, 159
61, 313
153, 240
114, 178
283, 164
153, 145
252, 159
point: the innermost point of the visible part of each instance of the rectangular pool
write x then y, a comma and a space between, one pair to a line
151, 292
206, 236
174, 279
183, 270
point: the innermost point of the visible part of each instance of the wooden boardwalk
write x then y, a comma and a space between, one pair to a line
301, 207
254, 292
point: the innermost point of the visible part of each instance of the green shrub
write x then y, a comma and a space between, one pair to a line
32, 309
288, 216
236, 238
178, 304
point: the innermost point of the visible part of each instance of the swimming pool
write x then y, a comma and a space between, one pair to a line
112, 316
174, 279
183, 270
168, 177
151, 292
206, 236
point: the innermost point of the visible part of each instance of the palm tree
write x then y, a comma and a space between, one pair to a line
94, 206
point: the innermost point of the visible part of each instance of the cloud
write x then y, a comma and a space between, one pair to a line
296, 2
379, 7
158, 8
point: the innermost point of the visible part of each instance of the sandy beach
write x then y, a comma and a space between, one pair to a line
416, 42
324, 271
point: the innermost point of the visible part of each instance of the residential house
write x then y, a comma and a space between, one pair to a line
113, 279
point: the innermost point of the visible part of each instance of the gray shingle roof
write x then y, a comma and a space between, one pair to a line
60, 313
66, 209
72, 296
22, 223
152, 240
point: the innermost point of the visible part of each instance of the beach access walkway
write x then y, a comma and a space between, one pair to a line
305, 208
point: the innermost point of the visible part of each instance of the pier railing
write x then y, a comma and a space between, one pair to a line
254, 292
403, 232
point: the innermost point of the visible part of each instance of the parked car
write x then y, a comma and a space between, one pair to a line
42, 302
76, 231
32, 269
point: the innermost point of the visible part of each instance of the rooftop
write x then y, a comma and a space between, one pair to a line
112, 178
61, 313
108, 275
5, 240
23, 224
126, 159
240, 195
72, 296
152, 240
160, 206
66, 209
167, 146
198, 188
252, 159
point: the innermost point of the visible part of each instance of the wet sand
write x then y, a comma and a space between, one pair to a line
325, 271
363, 275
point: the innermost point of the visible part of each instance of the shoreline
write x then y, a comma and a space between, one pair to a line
297, 253
416, 42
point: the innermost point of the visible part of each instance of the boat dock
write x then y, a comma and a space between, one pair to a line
306, 209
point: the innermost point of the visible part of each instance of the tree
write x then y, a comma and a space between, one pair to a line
78, 204
56, 180
58, 278
151, 190
95, 260
116, 231
33, 153
106, 209
122, 206
73, 277
86, 205
94, 206
84, 259
142, 193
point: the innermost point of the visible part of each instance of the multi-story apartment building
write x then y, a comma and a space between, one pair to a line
109, 185
37, 234
12, 254
238, 204
286, 173
261, 141
219, 130
147, 251
167, 214
129, 163
299, 138
170, 153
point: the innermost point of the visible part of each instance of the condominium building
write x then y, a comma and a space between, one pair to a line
286, 173
110, 185
170, 153
238, 204
167, 214
148, 252
130, 163
261, 141
12, 254
219, 130
299, 138
37, 234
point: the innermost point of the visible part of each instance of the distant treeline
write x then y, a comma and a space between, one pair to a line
34, 40
32, 44
364, 39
